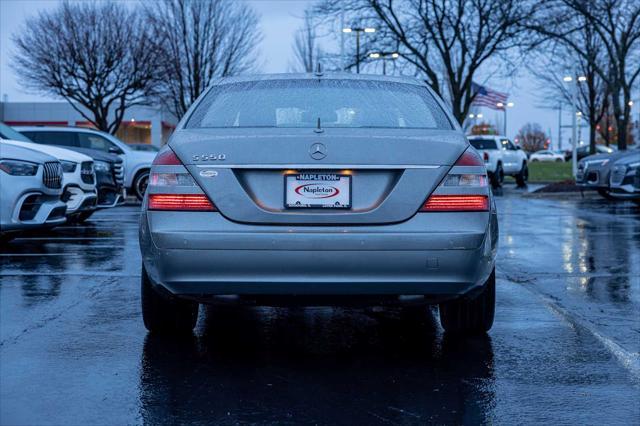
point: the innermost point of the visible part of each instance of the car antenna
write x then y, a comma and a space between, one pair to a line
319, 128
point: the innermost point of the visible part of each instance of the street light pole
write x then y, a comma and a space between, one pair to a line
504, 111
357, 52
358, 31
574, 123
384, 56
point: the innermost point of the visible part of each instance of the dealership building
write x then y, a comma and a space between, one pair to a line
141, 124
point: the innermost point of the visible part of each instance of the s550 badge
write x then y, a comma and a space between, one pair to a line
210, 157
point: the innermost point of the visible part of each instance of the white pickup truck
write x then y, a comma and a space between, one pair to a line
501, 157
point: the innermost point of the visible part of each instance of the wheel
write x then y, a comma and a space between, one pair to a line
523, 175
497, 177
473, 316
165, 313
558, 160
535, 160
604, 193
140, 183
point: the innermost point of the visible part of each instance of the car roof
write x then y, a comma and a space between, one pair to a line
16, 152
55, 151
56, 129
494, 137
325, 75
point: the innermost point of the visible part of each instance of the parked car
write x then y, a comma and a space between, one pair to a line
624, 180
501, 158
109, 168
546, 156
136, 163
144, 147
30, 190
583, 151
594, 172
79, 179
299, 189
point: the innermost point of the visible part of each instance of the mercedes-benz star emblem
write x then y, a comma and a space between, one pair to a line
318, 151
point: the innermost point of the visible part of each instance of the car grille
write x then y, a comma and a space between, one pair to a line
118, 173
86, 172
52, 175
617, 174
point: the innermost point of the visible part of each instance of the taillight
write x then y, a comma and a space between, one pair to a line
188, 202
456, 203
486, 157
464, 189
171, 186
166, 157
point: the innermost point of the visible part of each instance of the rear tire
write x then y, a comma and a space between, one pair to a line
475, 316
165, 313
497, 177
523, 176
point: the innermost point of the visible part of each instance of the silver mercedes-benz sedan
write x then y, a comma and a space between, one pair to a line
318, 189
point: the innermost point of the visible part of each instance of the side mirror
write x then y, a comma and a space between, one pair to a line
518, 147
115, 150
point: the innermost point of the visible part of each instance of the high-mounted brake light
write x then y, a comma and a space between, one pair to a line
166, 157
188, 202
456, 203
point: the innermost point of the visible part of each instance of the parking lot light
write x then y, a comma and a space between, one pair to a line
582, 78
568, 79
358, 30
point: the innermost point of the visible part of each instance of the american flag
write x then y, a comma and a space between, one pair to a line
487, 97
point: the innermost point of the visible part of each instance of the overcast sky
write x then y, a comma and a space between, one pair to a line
279, 21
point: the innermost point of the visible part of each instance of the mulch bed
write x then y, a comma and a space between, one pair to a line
563, 186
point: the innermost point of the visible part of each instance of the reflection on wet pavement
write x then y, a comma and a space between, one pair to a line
563, 349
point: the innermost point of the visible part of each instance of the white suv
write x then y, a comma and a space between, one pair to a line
79, 181
136, 163
501, 158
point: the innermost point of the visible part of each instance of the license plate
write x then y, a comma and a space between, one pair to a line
317, 190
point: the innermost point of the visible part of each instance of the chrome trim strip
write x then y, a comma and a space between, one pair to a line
317, 166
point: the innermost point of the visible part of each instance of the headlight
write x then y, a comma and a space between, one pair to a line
68, 166
101, 166
19, 168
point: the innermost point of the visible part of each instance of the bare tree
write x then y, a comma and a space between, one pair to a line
198, 42
307, 53
531, 137
558, 60
94, 55
447, 41
617, 24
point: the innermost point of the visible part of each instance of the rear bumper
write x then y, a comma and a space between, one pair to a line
203, 254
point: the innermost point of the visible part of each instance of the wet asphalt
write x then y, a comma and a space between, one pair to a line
564, 348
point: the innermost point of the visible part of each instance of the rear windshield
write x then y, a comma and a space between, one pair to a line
483, 143
336, 103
